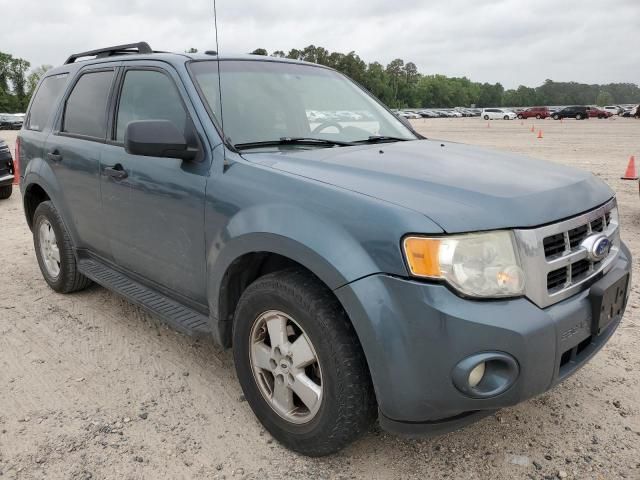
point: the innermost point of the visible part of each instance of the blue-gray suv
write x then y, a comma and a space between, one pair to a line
358, 270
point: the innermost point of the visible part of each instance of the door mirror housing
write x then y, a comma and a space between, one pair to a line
157, 138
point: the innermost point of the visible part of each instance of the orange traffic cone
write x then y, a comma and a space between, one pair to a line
631, 173
539, 133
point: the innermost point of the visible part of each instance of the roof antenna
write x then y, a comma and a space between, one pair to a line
215, 23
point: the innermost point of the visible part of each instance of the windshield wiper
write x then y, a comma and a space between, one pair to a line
382, 138
293, 141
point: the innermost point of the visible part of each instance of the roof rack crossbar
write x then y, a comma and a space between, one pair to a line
141, 47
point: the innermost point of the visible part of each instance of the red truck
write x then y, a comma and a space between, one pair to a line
538, 112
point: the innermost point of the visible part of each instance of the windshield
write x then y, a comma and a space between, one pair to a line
269, 101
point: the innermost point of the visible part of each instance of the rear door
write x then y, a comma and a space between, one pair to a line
73, 153
154, 208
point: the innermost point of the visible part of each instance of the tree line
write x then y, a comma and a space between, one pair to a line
400, 85
17, 83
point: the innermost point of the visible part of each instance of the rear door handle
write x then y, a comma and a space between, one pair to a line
54, 156
117, 172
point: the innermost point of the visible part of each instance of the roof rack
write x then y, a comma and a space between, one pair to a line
140, 48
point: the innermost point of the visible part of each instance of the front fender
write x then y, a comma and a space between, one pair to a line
320, 245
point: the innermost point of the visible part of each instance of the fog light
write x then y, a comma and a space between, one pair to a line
475, 377
485, 374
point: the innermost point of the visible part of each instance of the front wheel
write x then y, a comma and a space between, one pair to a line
506, 117
486, 117
300, 364
578, 117
538, 117
556, 117
5, 192
520, 117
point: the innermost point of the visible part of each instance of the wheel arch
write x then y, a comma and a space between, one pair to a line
252, 256
34, 195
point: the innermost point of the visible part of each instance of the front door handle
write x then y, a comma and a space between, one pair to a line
117, 172
54, 156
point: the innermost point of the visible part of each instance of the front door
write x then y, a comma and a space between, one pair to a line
154, 207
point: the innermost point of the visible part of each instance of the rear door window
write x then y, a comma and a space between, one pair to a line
45, 101
86, 108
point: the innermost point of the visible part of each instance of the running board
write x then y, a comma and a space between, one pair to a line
183, 319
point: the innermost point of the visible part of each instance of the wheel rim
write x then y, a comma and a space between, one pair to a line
285, 367
49, 250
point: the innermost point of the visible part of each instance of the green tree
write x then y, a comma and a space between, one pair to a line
191, 50
260, 51
604, 98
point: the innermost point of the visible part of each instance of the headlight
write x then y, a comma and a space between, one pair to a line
614, 216
476, 264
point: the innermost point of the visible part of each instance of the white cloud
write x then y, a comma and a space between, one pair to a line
510, 41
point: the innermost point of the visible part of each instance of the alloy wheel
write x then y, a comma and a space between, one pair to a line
49, 248
285, 367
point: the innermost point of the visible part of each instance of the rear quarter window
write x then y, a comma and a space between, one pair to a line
86, 108
46, 99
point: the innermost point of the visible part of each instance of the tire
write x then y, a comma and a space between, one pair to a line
520, 117
347, 406
5, 192
67, 279
578, 116
556, 117
538, 117
486, 117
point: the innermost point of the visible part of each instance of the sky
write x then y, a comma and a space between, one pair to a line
514, 42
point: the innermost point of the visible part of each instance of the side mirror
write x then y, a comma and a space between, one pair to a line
157, 138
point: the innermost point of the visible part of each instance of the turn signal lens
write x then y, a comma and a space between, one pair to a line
423, 256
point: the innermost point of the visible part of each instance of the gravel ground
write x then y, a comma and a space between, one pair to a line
91, 387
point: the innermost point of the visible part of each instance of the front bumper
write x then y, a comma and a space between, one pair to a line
415, 333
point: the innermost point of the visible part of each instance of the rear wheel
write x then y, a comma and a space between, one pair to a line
300, 364
556, 117
5, 192
54, 251
538, 117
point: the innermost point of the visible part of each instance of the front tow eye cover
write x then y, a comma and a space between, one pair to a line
485, 374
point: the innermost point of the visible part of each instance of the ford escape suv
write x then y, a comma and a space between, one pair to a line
357, 270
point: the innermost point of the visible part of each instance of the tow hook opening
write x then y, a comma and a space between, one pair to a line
486, 374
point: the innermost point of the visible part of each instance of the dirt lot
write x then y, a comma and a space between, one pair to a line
92, 387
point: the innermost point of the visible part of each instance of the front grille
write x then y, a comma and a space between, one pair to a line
555, 260
557, 244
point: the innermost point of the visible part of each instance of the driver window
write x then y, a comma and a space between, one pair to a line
149, 95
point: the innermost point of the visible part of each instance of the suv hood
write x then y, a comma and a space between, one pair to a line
461, 187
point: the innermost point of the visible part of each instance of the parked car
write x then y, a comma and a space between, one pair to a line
411, 115
11, 122
6, 171
613, 109
595, 112
357, 272
537, 112
579, 113
497, 114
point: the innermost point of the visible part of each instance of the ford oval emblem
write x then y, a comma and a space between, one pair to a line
597, 247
